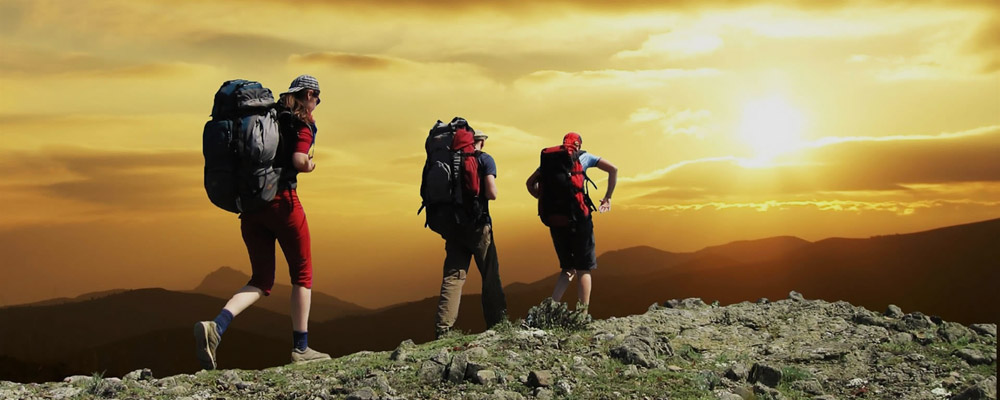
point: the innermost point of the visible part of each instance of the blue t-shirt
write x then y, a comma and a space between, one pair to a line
588, 160
486, 167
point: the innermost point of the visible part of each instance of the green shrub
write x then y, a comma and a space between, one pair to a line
551, 314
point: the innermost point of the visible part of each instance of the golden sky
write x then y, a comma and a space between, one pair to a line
727, 121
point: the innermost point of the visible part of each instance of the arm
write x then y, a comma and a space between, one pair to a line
533, 184
491, 187
301, 159
302, 162
612, 171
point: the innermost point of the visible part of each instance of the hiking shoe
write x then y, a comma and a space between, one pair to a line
307, 355
206, 339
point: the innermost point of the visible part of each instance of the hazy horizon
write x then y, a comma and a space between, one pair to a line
472, 285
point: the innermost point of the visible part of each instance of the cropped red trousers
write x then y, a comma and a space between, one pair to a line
283, 220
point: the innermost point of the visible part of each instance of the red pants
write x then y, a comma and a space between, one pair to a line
283, 219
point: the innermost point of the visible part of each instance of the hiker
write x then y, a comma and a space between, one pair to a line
281, 219
472, 235
560, 184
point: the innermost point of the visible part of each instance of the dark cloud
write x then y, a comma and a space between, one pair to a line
347, 60
20, 60
242, 47
847, 166
12, 14
29, 61
125, 180
986, 44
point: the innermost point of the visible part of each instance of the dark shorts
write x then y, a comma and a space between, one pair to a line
575, 245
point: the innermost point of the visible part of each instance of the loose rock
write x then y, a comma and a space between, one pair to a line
765, 374
540, 379
894, 312
985, 329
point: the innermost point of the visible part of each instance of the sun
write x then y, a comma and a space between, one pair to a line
771, 126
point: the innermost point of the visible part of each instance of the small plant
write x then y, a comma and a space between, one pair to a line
96, 383
689, 353
506, 326
793, 373
551, 314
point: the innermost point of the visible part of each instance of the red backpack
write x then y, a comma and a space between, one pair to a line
449, 186
563, 186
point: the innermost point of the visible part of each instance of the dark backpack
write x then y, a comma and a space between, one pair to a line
450, 185
239, 145
562, 183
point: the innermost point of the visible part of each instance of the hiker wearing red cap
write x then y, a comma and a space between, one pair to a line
282, 220
564, 205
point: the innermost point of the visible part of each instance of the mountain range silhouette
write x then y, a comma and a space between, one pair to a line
949, 272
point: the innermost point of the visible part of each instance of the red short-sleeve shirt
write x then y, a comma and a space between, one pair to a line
305, 140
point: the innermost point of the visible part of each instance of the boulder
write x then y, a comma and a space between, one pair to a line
894, 312
540, 379
642, 348
365, 393
953, 332
144, 374
985, 329
765, 374
983, 390
456, 369
485, 377
402, 351
974, 357
736, 373
431, 372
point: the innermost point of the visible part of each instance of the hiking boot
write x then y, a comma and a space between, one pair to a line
440, 332
307, 355
206, 339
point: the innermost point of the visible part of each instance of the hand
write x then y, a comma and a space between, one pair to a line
605, 205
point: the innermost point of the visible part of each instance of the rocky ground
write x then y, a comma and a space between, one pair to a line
684, 349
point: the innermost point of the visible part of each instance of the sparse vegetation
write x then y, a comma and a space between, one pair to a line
679, 353
556, 315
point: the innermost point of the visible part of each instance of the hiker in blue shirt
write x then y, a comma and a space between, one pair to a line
479, 245
572, 230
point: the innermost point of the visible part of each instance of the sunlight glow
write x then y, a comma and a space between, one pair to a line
771, 127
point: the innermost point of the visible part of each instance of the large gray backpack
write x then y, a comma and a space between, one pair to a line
239, 145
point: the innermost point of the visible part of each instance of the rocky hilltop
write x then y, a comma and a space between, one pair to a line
682, 349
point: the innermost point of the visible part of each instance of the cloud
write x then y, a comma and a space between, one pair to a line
611, 78
834, 167
675, 45
347, 60
241, 47
29, 60
674, 122
895, 207
985, 44
117, 181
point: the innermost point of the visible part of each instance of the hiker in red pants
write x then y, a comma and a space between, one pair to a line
282, 219
560, 185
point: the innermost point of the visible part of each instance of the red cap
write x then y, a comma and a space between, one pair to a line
572, 139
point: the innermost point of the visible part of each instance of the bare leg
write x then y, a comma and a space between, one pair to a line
301, 301
584, 287
564, 279
243, 298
